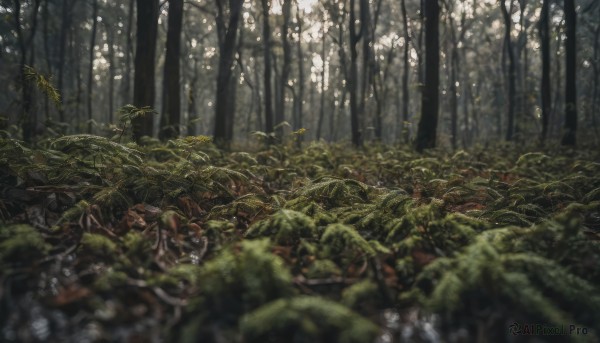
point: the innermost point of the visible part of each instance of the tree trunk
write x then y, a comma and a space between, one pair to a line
545, 85
111, 70
64, 29
267, 72
352, 83
191, 101
322, 99
511, 68
171, 112
365, 35
285, 67
91, 65
126, 83
143, 85
453, 66
300, 57
28, 115
426, 134
224, 106
570, 72
405, 73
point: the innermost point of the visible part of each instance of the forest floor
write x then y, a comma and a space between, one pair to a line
182, 242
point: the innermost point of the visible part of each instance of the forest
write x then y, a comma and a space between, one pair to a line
302, 171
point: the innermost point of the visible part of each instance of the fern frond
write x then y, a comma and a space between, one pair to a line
306, 319
285, 227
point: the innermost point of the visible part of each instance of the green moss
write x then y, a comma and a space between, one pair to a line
98, 245
306, 319
323, 269
359, 294
138, 249
19, 243
110, 279
236, 282
284, 227
342, 240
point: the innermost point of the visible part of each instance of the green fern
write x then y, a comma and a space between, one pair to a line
285, 227
333, 192
306, 320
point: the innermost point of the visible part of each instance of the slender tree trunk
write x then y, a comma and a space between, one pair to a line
225, 106
511, 69
426, 135
171, 113
47, 55
28, 115
126, 83
352, 83
91, 64
143, 87
596, 66
300, 58
365, 35
267, 72
111, 73
286, 66
191, 101
64, 29
259, 101
453, 66
570, 72
405, 73
322, 99
545, 84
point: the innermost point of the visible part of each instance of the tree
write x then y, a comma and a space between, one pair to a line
570, 72
267, 75
227, 35
545, 84
28, 115
300, 60
352, 83
506, 13
286, 66
405, 72
145, 52
426, 133
91, 66
171, 113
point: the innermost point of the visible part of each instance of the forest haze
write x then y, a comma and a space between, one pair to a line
452, 73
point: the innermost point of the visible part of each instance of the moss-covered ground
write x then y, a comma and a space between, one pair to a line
182, 242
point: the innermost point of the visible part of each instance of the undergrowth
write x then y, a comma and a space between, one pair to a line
189, 243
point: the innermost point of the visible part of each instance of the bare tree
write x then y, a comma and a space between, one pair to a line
506, 13
267, 72
171, 113
545, 84
427, 130
91, 64
227, 34
143, 84
570, 72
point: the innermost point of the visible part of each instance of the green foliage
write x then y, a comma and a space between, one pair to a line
19, 243
494, 270
44, 84
237, 282
344, 242
334, 192
285, 227
477, 237
306, 319
98, 245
